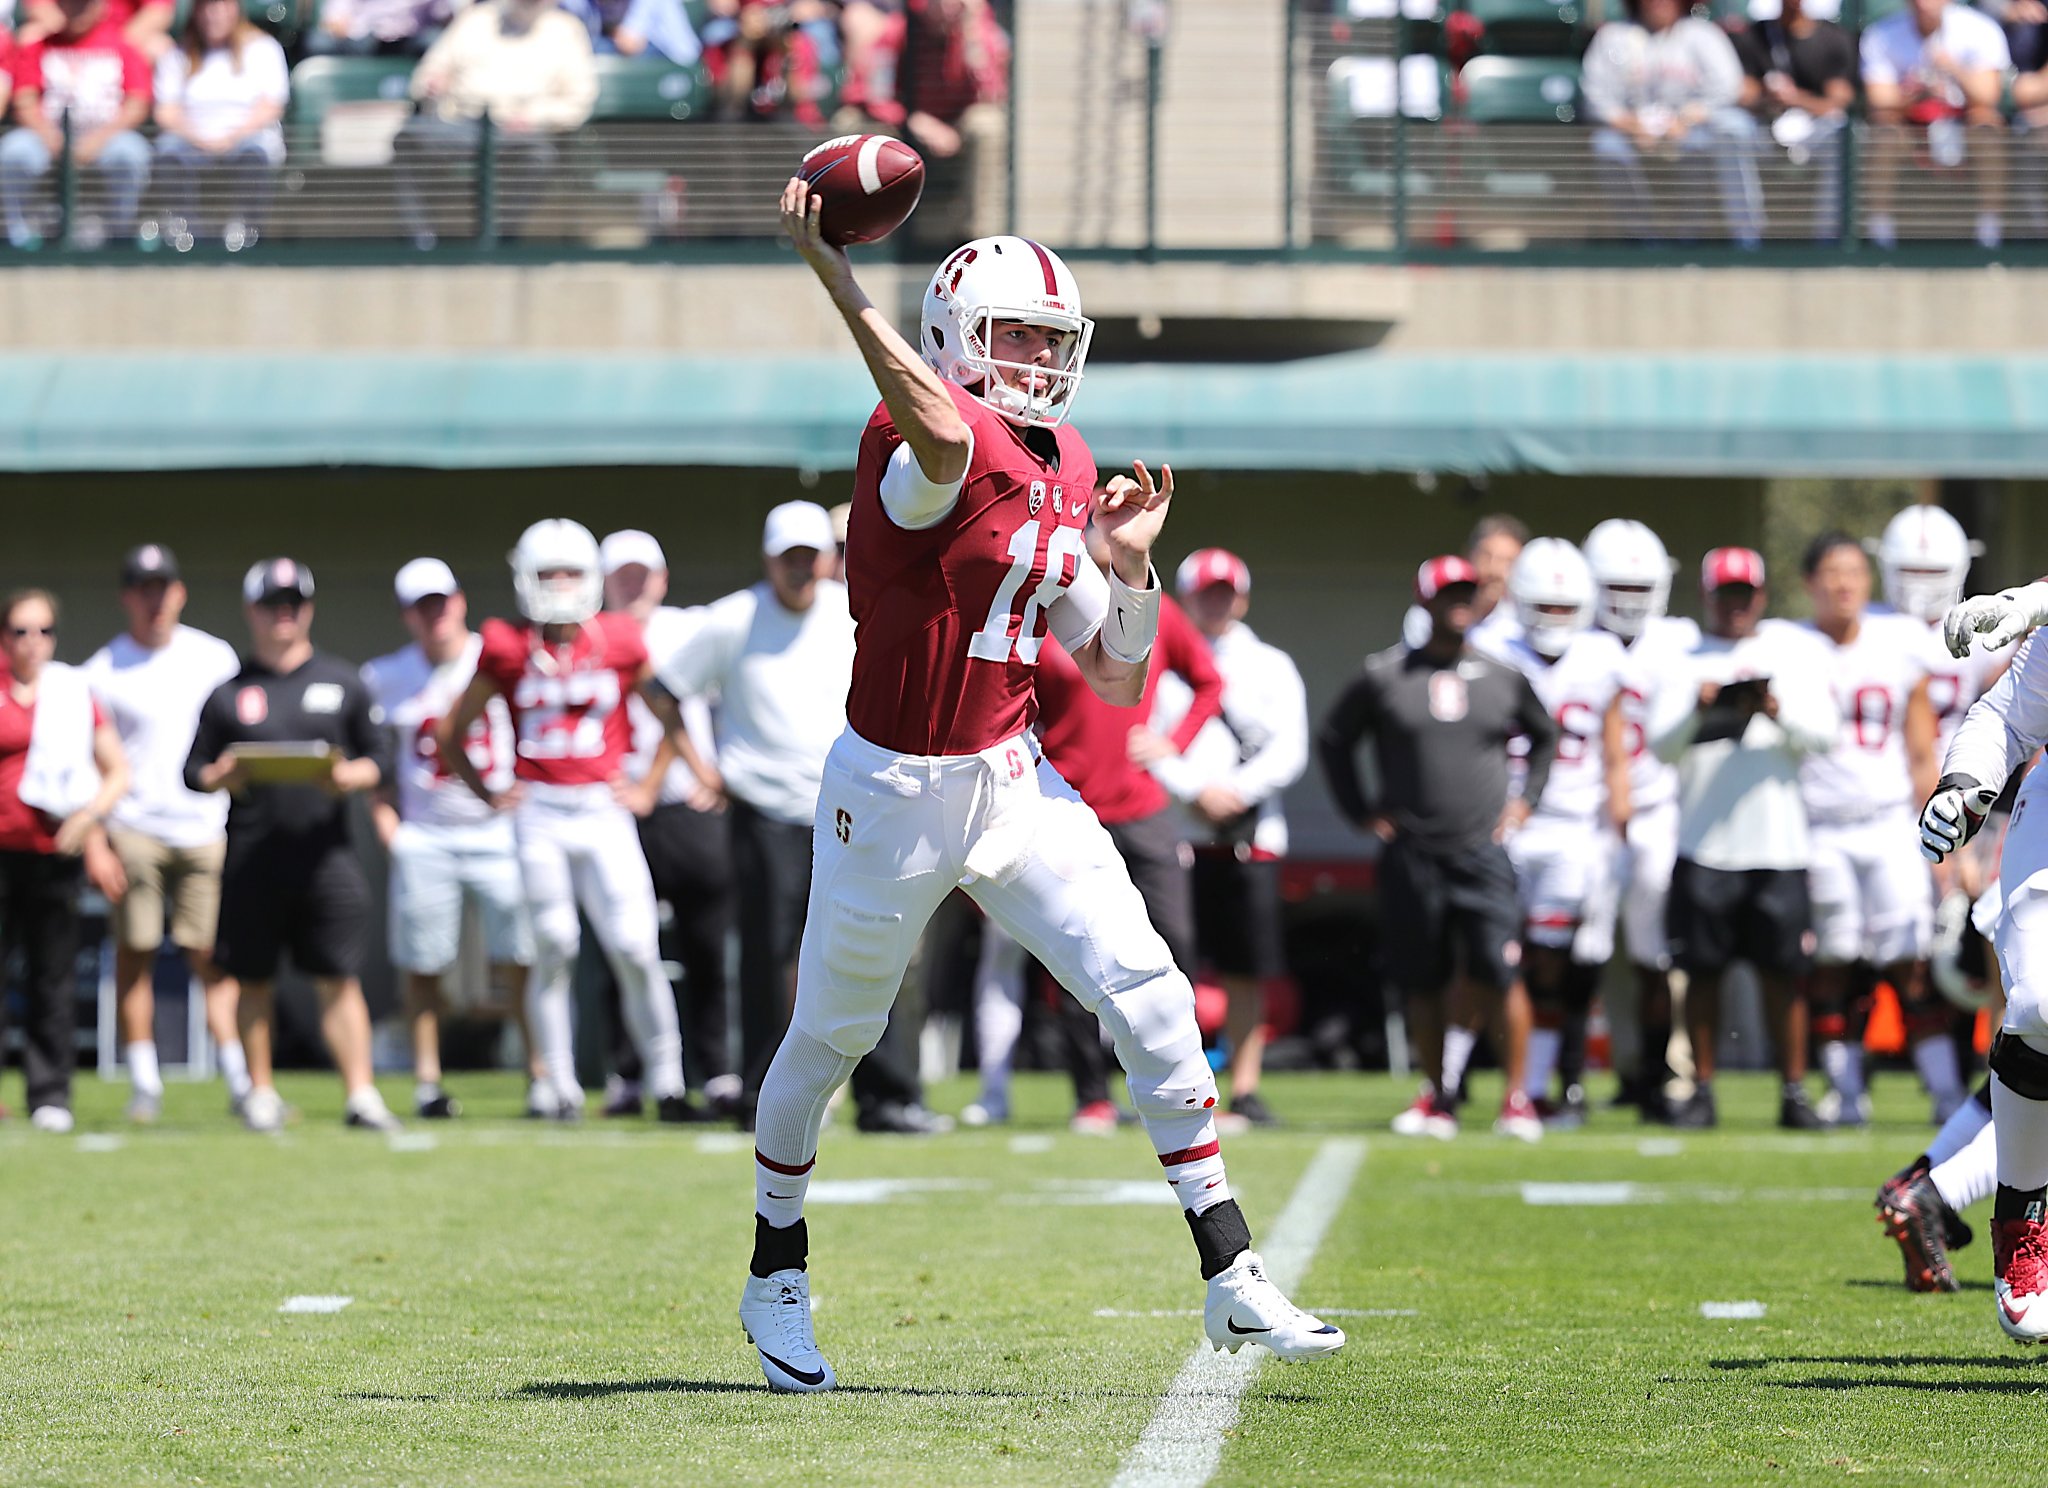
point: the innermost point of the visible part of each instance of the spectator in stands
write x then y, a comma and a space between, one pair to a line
61, 771
220, 97
378, 28
526, 64
1665, 82
763, 56
143, 24
1939, 67
634, 28
1801, 79
936, 71
85, 75
2026, 34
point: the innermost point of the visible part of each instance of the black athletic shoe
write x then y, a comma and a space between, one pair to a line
1955, 1230
624, 1103
1696, 1112
1914, 1214
1796, 1112
1253, 1109
680, 1110
899, 1119
441, 1106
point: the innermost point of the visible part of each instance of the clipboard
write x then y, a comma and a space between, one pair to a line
286, 764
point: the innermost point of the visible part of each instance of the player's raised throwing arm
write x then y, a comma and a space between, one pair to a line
919, 405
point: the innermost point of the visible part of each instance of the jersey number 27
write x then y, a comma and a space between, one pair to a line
1061, 553
563, 717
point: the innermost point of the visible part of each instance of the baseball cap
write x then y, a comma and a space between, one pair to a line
1731, 566
1439, 574
631, 545
277, 578
150, 561
840, 515
1206, 566
797, 524
421, 577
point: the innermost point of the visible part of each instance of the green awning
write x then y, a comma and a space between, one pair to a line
1590, 414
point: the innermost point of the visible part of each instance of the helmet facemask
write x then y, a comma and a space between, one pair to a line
1046, 395
1627, 609
1923, 593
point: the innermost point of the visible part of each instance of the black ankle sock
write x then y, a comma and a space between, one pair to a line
2019, 1203
779, 1249
1221, 1236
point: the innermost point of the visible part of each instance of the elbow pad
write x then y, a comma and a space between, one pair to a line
1132, 623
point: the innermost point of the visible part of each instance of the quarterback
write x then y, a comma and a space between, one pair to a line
965, 547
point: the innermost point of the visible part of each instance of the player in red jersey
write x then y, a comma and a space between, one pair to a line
566, 674
965, 547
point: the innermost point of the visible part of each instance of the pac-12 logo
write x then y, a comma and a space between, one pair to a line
842, 823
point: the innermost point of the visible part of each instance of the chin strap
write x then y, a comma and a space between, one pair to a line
1132, 623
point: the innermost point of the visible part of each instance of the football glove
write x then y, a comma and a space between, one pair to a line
1952, 815
1994, 620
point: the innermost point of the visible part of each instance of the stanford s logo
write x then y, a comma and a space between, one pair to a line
252, 706
1037, 496
1447, 697
842, 823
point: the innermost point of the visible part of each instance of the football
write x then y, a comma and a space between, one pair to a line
870, 183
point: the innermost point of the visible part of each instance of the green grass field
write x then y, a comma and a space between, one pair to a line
556, 1307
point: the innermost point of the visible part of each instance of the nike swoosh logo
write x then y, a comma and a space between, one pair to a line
2017, 1317
1231, 1324
774, 1195
1212, 1183
808, 1376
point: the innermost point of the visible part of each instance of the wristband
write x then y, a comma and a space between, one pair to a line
1132, 623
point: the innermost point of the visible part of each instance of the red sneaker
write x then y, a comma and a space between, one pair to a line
1096, 1119
2020, 1253
1519, 1118
1429, 1116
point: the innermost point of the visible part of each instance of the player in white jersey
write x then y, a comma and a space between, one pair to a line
448, 849
1632, 589
1564, 853
1872, 899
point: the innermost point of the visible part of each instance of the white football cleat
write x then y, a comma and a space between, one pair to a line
56, 1120
1244, 1307
1519, 1118
776, 1312
263, 1110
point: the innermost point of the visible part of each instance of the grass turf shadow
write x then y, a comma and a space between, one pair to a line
1843, 1383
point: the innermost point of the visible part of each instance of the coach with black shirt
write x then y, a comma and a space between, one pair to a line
292, 880
1439, 718
1799, 76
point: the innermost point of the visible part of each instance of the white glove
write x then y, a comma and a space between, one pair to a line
1952, 815
1998, 619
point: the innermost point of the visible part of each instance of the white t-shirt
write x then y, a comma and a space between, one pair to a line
781, 680
415, 696
1739, 805
667, 631
1258, 746
1894, 51
1872, 677
1575, 689
1652, 783
219, 96
153, 700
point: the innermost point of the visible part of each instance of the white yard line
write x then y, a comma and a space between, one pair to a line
1183, 1443
315, 1304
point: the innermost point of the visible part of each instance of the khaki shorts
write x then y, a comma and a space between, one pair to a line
180, 885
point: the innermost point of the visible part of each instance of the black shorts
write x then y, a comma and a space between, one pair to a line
1441, 911
316, 905
1155, 851
1237, 913
1716, 916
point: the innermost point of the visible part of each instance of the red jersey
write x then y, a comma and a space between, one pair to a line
568, 703
22, 827
86, 78
1087, 740
948, 621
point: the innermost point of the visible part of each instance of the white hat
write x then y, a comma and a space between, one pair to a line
631, 545
421, 577
798, 524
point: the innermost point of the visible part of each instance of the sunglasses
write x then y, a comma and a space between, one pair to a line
19, 632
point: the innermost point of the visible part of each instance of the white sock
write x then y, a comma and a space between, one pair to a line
1961, 1128
1543, 1046
142, 1067
364, 1101
998, 1013
234, 1068
1940, 1070
1459, 1041
649, 1004
1970, 1174
2022, 1133
424, 1091
1843, 1064
552, 1021
794, 1093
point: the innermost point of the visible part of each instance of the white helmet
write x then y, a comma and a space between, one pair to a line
1551, 572
1925, 558
1004, 278
1627, 560
554, 544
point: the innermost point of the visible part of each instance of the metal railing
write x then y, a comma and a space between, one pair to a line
1307, 128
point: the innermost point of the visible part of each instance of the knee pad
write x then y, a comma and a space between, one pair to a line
1160, 1046
2020, 1067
